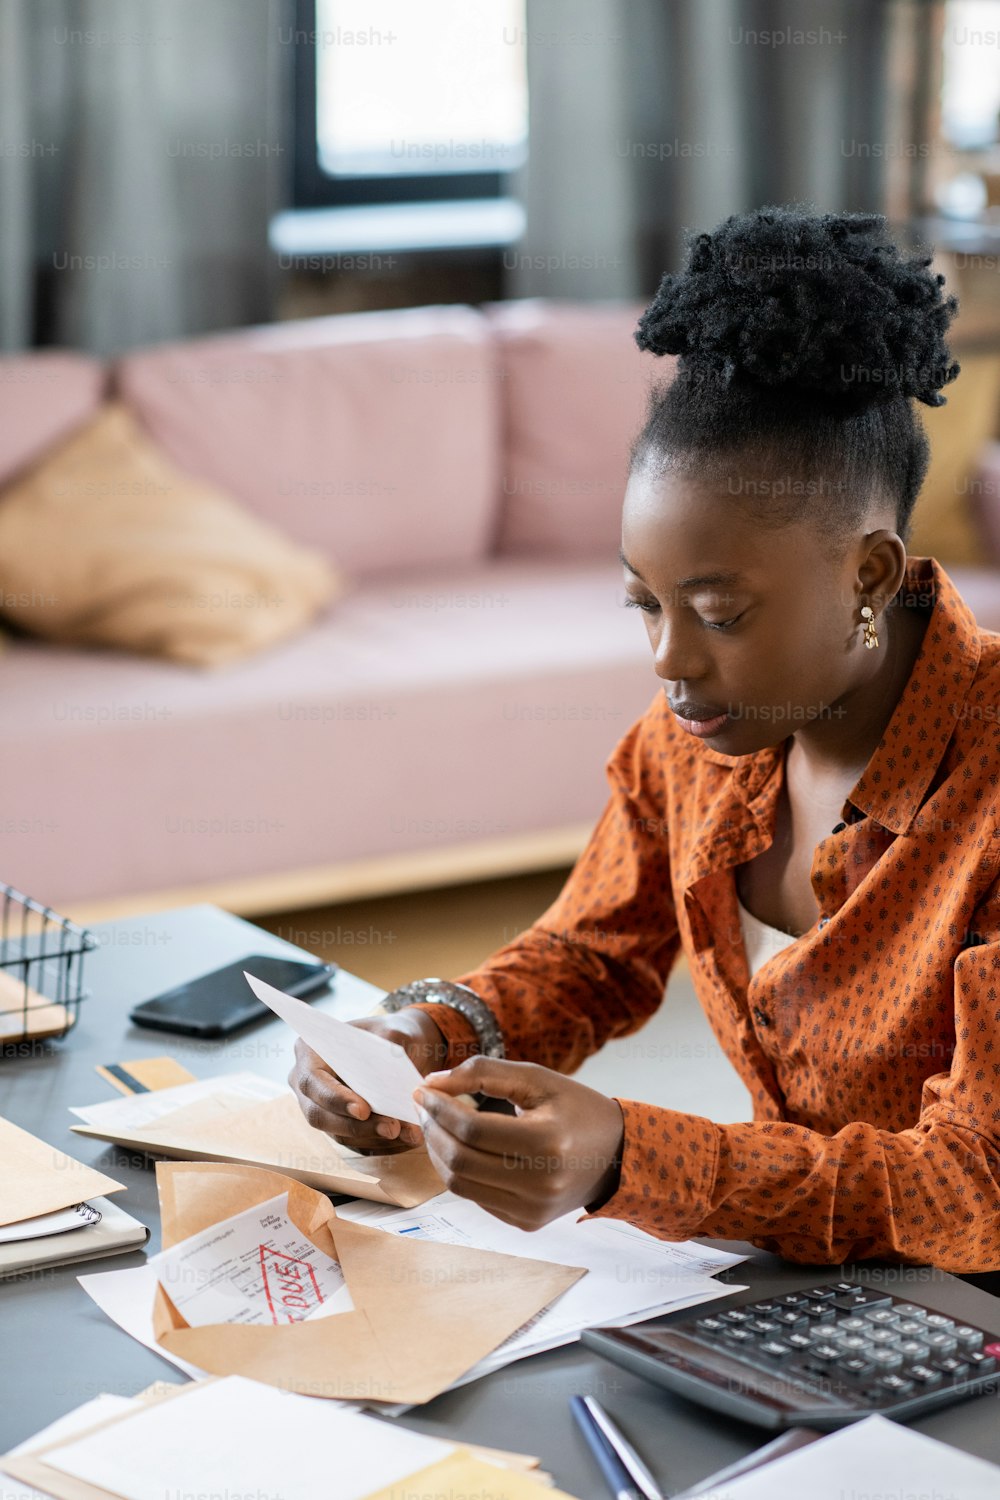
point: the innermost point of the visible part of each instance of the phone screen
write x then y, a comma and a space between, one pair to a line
218, 1003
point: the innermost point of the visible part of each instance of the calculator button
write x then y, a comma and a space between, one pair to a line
818, 1312
913, 1328
925, 1376
938, 1320
763, 1307
737, 1315
710, 1325
775, 1349
895, 1385
761, 1326
913, 1349
853, 1342
825, 1352
741, 1336
993, 1349
798, 1340
968, 1337
910, 1310
883, 1336
788, 1317
881, 1316
856, 1367
940, 1342
981, 1363
821, 1293
949, 1365
792, 1299
858, 1297
887, 1359
854, 1325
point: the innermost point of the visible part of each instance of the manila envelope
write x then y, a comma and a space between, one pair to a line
275, 1134
423, 1313
36, 1178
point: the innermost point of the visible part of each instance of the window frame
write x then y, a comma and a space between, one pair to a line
314, 188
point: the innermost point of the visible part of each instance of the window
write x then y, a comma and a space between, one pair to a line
970, 96
407, 100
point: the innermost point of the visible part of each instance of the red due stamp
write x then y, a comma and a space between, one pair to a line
290, 1286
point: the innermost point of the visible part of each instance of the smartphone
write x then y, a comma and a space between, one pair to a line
221, 1002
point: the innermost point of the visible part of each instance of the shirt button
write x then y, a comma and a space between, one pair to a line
823, 921
839, 827
760, 1016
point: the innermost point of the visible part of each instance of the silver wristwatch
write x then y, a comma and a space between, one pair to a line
458, 997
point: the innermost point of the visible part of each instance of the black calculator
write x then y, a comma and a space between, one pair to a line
820, 1358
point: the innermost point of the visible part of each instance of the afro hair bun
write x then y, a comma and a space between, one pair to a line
823, 305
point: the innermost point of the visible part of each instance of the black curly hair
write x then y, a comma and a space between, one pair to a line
803, 341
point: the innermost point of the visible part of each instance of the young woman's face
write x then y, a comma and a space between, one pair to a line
755, 630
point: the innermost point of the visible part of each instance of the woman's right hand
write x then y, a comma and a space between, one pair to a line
328, 1104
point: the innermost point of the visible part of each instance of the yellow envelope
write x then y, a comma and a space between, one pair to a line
36, 1178
275, 1134
423, 1313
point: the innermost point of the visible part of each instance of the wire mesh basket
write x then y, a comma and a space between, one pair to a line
41, 969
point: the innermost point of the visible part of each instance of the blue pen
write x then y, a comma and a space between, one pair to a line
625, 1474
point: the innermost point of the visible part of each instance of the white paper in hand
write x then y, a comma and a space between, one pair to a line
380, 1071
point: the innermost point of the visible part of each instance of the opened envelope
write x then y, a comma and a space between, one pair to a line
36, 1178
422, 1313
243, 1118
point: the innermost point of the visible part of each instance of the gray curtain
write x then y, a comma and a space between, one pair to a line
144, 147
652, 117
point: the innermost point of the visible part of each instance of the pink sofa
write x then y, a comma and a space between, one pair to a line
451, 714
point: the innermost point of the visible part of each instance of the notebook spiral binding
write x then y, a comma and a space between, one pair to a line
41, 971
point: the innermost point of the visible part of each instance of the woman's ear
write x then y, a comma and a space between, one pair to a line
882, 568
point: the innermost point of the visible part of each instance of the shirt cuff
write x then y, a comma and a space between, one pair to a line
669, 1165
457, 1031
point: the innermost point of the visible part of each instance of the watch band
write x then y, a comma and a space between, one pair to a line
458, 997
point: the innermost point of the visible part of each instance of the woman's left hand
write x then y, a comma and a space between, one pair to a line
559, 1152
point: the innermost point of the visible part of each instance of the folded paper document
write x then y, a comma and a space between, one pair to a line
379, 1070
243, 1118
36, 1178
420, 1314
288, 1445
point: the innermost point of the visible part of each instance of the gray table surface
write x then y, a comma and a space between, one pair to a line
59, 1349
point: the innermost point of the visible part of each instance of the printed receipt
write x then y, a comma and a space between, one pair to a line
256, 1267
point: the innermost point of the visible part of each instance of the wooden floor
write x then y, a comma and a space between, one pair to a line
391, 939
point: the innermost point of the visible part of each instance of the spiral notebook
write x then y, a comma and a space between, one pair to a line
86, 1231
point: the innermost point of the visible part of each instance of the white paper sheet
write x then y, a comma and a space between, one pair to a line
631, 1274
275, 1443
138, 1110
380, 1071
874, 1457
255, 1267
126, 1297
100, 1409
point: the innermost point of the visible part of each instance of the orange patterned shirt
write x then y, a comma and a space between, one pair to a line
870, 1045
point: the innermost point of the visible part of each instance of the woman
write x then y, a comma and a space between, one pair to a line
809, 809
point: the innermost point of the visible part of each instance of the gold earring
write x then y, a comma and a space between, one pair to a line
871, 639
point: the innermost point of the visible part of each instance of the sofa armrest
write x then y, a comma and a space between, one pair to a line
984, 498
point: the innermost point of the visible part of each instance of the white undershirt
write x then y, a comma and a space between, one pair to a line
760, 941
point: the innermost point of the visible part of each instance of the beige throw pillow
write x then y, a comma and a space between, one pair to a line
105, 543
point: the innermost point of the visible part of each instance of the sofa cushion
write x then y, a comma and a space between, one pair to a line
43, 396
440, 710
575, 392
373, 436
103, 543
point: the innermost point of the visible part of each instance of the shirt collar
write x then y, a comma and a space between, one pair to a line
893, 785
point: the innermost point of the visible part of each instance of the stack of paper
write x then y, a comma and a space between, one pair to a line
279, 1444
630, 1276
50, 1213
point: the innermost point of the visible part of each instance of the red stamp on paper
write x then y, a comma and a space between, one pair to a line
290, 1286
